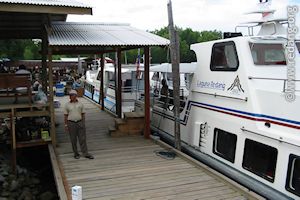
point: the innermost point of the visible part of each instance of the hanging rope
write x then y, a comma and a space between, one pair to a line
168, 155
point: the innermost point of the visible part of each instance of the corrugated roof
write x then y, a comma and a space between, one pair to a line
63, 3
100, 34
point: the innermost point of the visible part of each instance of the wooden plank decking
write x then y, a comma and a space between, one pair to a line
128, 168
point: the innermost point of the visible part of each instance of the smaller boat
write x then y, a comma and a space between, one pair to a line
164, 71
132, 85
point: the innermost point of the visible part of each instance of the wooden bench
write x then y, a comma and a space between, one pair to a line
10, 82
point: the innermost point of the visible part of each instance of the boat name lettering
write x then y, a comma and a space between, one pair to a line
211, 85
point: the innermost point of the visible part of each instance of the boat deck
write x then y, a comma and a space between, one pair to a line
128, 167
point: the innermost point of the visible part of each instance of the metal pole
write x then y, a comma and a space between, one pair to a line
174, 50
147, 92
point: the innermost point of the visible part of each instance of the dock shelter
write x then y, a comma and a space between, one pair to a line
100, 38
32, 19
45, 20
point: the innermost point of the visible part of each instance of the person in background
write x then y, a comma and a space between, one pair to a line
3, 68
40, 97
23, 70
77, 83
164, 92
36, 85
74, 117
36, 73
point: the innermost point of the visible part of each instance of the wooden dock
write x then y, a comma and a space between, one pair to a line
128, 167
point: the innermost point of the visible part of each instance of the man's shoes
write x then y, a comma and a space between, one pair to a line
76, 156
89, 156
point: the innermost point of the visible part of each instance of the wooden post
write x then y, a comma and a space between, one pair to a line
51, 99
102, 81
14, 141
119, 85
175, 71
116, 80
147, 92
44, 77
79, 67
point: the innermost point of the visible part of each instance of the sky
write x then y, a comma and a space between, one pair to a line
199, 15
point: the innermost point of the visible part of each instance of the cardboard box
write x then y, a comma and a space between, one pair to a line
76, 192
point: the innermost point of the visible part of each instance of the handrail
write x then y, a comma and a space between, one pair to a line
278, 139
218, 95
275, 29
272, 79
250, 28
276, 79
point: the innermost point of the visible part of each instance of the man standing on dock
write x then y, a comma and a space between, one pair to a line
75, 124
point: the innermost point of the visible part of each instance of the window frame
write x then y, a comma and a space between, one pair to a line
213, 67
263, 49
258, 173
289, 174
297, 44
222, 155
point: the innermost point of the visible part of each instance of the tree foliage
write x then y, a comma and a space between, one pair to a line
20, 49
187, 37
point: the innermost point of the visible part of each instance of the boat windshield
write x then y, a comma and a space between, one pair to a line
267, 54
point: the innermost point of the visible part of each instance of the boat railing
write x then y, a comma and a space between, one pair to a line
168, 102
249, 27
277, 79
126, 89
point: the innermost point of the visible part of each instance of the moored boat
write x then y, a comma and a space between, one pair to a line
239, 116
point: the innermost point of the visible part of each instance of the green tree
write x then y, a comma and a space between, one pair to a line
20, 49
187, 37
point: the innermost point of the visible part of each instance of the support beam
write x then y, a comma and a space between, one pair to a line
51, 98
119, 85
14, 141
102, 81
44, 77
116, 79
147, 92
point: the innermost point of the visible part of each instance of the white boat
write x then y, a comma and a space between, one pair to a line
164, 71
237, 118
132, 86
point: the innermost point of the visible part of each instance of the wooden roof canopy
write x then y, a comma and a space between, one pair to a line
28, 19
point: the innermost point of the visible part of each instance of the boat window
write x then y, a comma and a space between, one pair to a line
111, 79
155, 76
169, 76
260, 159
293, 175
224, 57
224, 144
99, 76
268, 54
